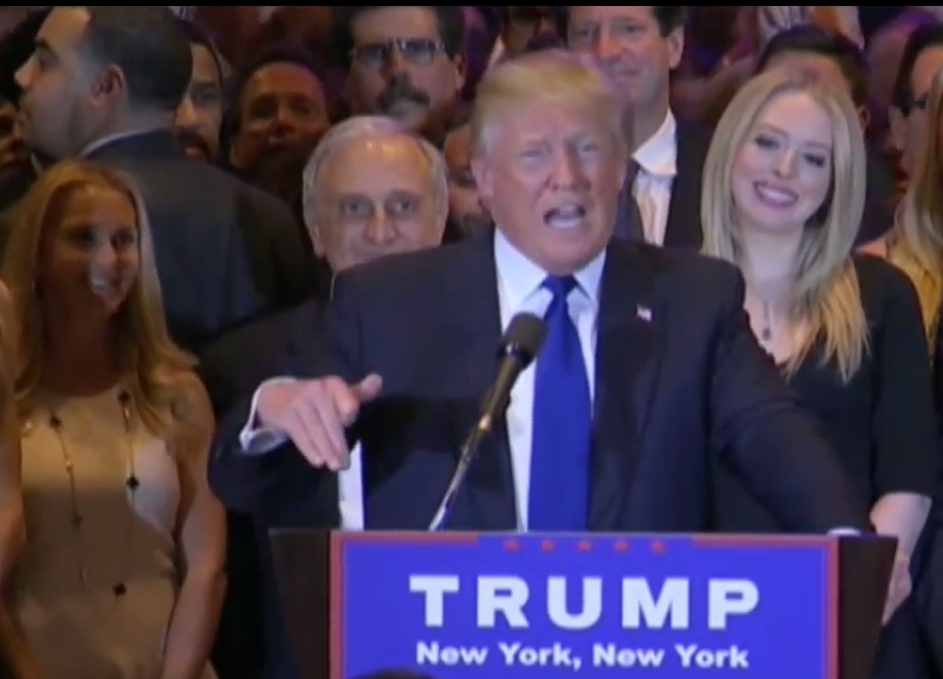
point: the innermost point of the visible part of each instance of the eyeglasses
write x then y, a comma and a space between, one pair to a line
417, 51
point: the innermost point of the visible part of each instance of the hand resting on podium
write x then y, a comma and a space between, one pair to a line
314, 414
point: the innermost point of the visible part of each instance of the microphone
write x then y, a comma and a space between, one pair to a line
518, 348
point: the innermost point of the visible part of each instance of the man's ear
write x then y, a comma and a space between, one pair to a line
441, 215
460, 67
108, 83
484, 178
314, 231
675, 47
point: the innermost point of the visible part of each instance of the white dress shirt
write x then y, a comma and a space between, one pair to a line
657, 160
519, 289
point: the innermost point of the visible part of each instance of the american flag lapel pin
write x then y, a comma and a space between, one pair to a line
643, 313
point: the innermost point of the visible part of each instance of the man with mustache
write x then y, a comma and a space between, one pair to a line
404, 62
200, 114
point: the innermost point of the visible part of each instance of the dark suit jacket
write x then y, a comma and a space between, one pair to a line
683, 230
232, 368
236, 364
226, 252
684, 213
671, 390
928, 589
928, 558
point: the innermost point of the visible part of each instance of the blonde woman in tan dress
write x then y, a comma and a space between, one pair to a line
122, 574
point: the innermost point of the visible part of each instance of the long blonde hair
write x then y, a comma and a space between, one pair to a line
825, 292
916, 243
150, 363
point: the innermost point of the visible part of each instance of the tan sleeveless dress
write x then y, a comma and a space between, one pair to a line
98, 581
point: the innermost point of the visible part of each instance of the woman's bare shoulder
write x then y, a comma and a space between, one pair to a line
192, 399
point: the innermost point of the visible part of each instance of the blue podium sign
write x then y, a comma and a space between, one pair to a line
466, 606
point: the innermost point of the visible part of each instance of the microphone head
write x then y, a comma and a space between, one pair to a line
523, 338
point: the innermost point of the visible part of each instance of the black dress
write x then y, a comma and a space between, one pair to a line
881, 424
928, 594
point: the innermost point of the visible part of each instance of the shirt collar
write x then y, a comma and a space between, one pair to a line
520, 277
659, 154
111, 138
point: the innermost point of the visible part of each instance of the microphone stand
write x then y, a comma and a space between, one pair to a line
518, 349
475, 438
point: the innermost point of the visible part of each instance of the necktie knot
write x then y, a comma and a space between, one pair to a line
559, 286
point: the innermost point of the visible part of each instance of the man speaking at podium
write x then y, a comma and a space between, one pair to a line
648, 367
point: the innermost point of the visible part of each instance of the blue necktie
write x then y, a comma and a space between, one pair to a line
559, 465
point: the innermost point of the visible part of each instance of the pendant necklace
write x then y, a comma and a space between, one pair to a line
131, 484
766, 328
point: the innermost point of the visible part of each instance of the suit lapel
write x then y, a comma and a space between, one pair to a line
627, 360
487, 501
683, 229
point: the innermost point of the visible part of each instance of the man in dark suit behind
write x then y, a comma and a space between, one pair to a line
397, 184
648, 369
104, 82
360, 156
639, 46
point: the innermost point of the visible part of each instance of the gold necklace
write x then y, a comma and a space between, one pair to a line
132, 483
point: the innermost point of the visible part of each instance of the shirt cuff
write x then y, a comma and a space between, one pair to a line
846, 532
255, 440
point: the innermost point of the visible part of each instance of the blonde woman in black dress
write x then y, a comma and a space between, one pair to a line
783, 198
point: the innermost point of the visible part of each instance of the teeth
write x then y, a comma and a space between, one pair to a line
560, 221
100, 286
775, 195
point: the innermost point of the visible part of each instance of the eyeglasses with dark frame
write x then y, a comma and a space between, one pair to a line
920, 103
417, 51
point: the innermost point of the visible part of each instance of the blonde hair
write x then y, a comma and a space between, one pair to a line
546, 77
916, 243
825, 292
150, 362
